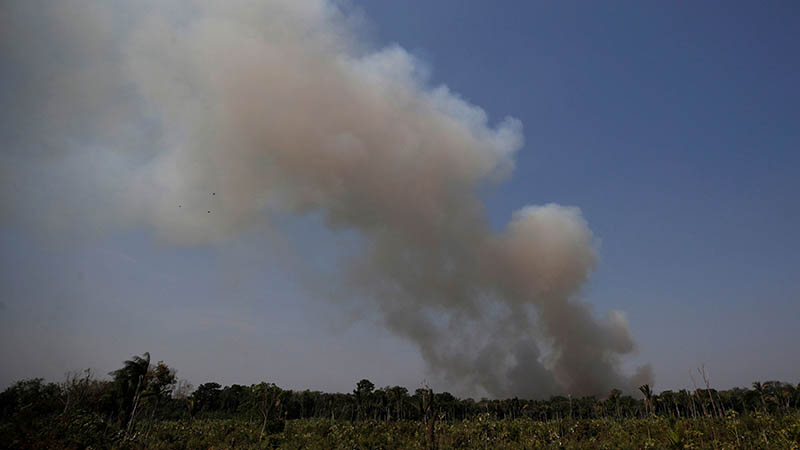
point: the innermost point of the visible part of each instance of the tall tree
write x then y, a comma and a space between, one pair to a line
363, 395
128, 382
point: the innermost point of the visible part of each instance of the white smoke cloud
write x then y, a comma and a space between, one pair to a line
279, 107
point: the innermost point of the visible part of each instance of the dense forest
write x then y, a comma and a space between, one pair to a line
144, 405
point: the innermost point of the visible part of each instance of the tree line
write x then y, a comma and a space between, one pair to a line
140, 393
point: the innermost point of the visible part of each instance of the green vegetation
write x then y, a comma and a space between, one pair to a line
143, 406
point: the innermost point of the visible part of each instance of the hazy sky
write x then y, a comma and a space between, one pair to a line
674, 128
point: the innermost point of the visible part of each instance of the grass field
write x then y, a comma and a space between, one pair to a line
749, 432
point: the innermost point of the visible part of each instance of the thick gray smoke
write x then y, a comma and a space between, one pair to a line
280, 106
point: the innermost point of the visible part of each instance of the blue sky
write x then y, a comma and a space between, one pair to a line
674, 127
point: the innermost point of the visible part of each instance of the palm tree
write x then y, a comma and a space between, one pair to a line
129, 381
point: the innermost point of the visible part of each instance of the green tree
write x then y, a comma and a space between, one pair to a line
363, 395
207, 397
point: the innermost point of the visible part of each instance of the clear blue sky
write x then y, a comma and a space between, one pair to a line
675, 127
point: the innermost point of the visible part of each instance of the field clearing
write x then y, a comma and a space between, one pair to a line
753, 431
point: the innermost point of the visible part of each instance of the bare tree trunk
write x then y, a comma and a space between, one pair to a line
431, 435
695, 394
265, 410
135, 405
429, 413
702, 371
152, 417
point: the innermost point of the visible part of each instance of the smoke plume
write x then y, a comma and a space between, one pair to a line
283, 108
